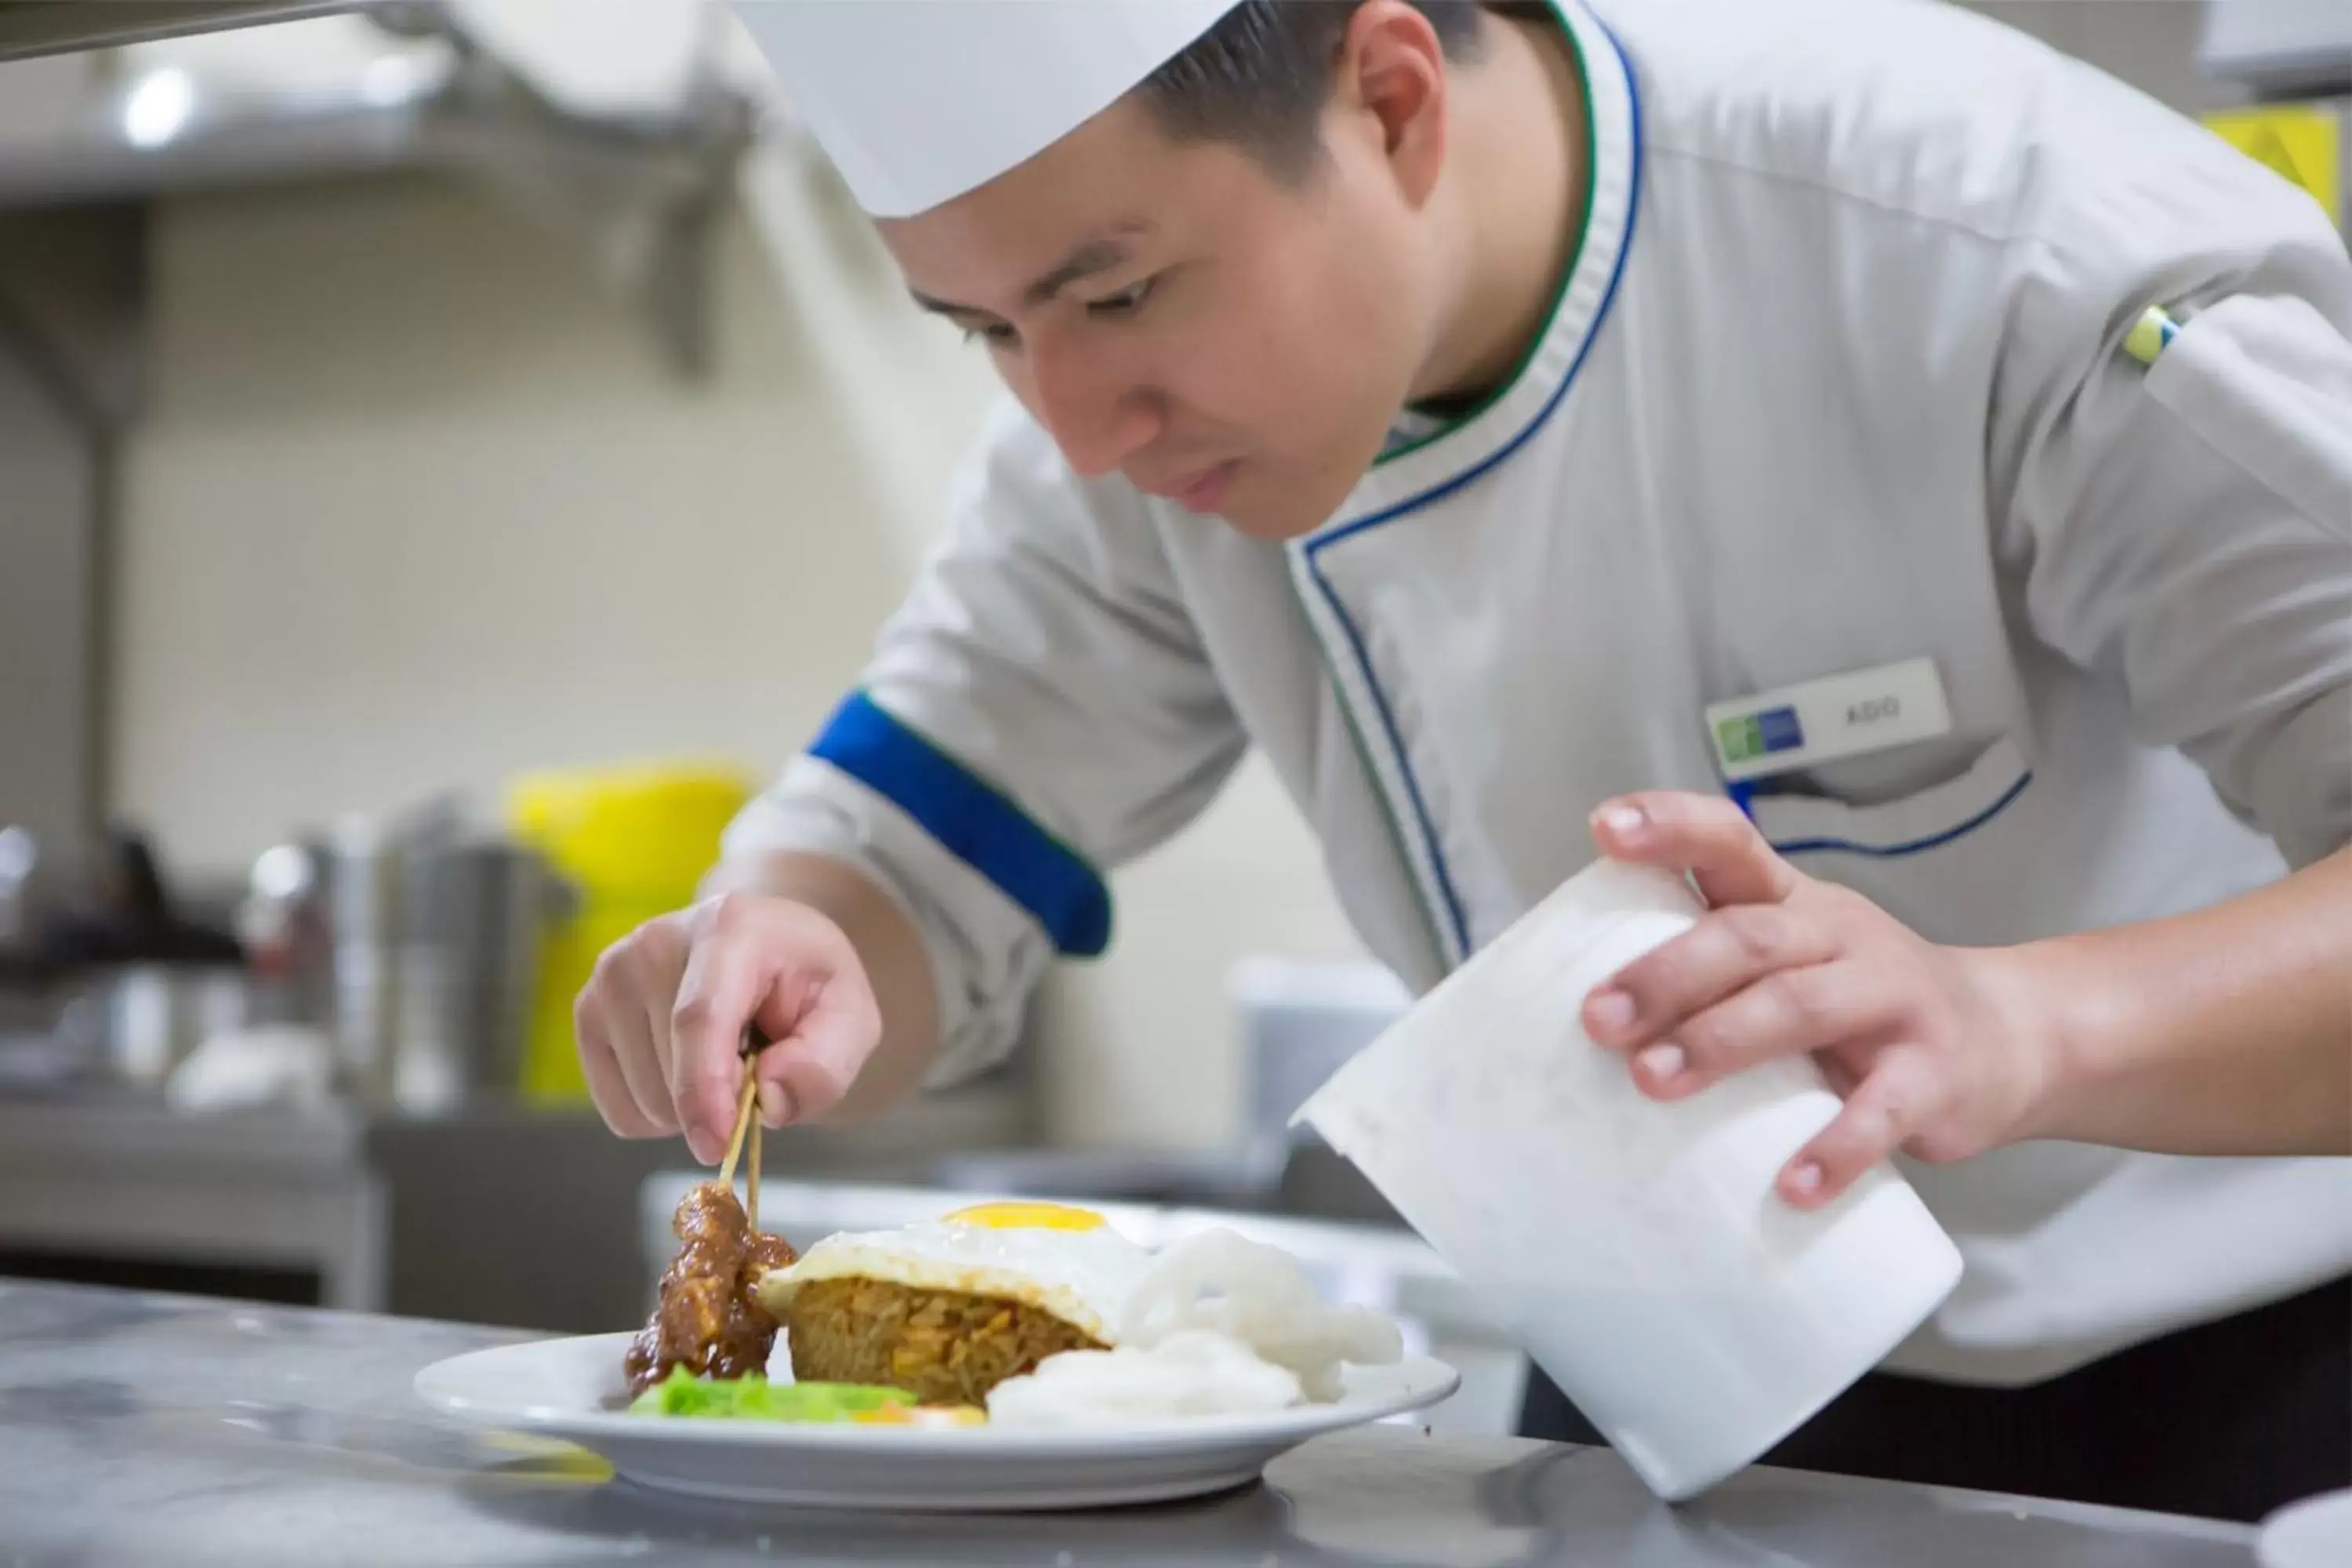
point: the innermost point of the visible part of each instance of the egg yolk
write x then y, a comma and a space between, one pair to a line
1027, 1216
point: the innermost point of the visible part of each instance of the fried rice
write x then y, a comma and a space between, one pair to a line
944, 1347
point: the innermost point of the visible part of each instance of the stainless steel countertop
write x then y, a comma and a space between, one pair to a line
144, 1429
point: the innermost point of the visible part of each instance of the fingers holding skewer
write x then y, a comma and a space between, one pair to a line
747, 1106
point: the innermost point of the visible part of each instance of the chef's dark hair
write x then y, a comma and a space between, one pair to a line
1261, 77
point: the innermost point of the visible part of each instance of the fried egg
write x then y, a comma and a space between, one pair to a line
1059, 1260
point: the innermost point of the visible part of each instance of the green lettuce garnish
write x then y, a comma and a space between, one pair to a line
752, 1397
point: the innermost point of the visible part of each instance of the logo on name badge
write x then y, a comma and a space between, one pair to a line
1816, 721
1761, 734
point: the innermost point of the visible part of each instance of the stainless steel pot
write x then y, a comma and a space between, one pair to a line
425, 961
473, 915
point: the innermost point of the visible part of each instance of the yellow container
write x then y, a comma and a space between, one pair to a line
634, 842
2303, 141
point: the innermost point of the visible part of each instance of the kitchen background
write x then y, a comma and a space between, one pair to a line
396, 408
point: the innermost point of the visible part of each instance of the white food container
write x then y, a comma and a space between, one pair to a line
1637, 1247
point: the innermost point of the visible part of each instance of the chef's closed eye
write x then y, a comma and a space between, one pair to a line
993, 334
1126, 302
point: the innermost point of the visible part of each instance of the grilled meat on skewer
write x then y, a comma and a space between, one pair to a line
708, 1322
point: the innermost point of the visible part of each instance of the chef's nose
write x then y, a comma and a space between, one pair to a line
1098, 412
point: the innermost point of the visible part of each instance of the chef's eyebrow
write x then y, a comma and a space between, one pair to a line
1099, 254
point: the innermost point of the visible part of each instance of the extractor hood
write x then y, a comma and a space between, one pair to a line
29, 27
634, 189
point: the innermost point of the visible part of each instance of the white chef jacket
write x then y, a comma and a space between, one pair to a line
1834, 382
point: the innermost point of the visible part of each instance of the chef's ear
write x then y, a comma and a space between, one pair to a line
1392, 84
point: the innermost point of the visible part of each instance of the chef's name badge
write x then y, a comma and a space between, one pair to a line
1822, 721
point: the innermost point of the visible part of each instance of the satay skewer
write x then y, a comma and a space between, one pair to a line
744, 1108
708, 1320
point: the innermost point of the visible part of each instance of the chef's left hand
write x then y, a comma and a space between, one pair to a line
1934, 1048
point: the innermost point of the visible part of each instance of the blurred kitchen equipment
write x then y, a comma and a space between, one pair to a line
20, 865
125, 915
141, 982
634, 843
283, 928
360, 899
417, 941
141, 1021
474, 913
1300, 1021
236, 1069
1637, 1247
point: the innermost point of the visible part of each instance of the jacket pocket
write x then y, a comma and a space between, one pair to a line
1914, 824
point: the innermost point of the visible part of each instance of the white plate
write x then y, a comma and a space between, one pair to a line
560, 1388
2313, 1533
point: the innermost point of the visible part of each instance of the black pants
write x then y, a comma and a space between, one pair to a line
2227, 1420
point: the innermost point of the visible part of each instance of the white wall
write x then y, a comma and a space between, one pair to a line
417, 505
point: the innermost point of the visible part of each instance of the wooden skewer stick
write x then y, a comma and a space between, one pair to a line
744, 1110
751, 1183
755, 1040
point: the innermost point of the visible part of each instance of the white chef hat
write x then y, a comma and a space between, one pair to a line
916, 101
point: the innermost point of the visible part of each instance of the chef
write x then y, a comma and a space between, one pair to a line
1850, 453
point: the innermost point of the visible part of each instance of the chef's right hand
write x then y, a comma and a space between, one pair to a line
661, 1020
